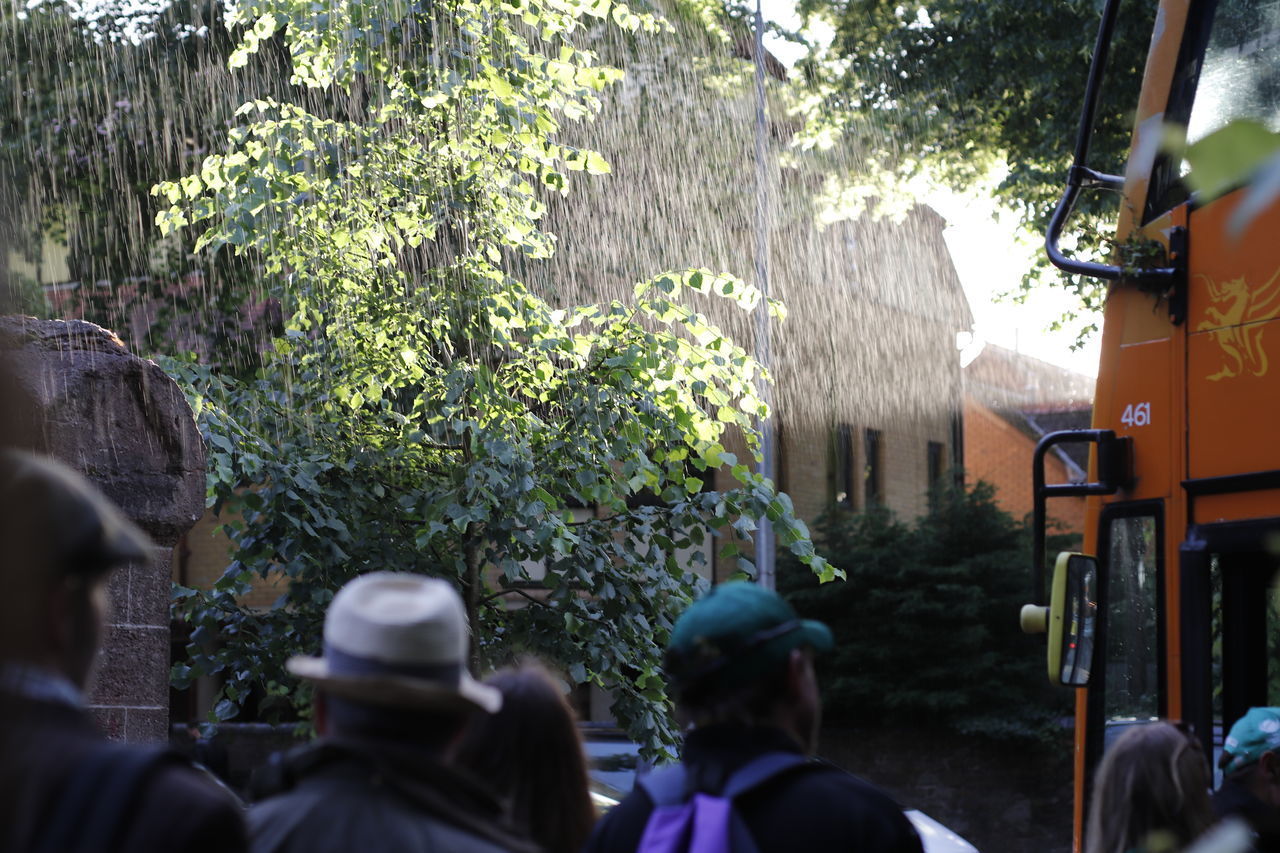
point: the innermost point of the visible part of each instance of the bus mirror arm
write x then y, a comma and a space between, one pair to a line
1114, 470
1153, 279
1080, 176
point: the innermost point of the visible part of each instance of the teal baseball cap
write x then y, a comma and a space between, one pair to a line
1258, 731
735, 633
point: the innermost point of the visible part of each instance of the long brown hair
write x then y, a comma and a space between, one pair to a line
530, 754
1151, 791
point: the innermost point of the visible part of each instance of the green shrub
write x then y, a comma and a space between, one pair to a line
926, 623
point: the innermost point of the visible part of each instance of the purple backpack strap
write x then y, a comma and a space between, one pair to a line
705, 823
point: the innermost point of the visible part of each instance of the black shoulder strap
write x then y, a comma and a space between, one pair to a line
96, 803
750, 776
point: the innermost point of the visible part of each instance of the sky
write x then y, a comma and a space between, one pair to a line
989, 258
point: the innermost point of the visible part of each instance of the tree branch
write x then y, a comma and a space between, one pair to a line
493, 596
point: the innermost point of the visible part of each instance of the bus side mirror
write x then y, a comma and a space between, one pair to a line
1069, 620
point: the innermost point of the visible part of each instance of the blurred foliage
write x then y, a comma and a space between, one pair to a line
98, 102
424, 410
1241, 153
926, 623
955, 89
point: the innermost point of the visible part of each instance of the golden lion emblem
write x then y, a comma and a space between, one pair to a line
1235, 321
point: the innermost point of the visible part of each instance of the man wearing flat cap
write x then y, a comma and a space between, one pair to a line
63, 787
1250, 764
740, 666
392, 694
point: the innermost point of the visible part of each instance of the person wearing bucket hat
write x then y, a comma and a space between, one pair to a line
63, 786
739, 664
392, 694
1250, 764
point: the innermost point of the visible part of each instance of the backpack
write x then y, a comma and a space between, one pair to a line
706, 823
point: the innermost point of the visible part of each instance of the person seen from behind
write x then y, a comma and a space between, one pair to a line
1250, 764
392, 696
65, 787
530, 754
1150, 792
740, 666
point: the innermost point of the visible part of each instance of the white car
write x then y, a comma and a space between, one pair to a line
936, 837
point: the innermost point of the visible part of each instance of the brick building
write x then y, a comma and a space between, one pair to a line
1010, 402
868, 379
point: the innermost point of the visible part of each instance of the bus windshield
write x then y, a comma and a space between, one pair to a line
1240, 77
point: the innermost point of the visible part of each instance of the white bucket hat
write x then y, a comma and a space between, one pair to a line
399, 640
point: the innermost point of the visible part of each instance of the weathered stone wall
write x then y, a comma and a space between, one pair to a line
123, 423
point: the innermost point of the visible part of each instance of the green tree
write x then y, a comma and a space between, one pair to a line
955, 88
99, 102
927, 621
425, 410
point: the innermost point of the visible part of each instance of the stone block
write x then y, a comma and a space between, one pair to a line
146, 725
109, 720
117, 418
149, 590
133, 668
118, 595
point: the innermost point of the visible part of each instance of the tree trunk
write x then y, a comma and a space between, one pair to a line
471, 592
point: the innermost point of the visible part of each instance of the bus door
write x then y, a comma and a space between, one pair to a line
1231, 624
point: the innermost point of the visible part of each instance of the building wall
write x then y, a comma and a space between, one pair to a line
204, 554
1001, 454
808, 462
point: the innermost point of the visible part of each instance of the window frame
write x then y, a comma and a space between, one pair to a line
1095, 730
872, 467
843, 466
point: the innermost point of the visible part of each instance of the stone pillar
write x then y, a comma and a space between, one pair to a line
124, 424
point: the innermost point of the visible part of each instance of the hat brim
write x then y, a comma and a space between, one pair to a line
399, 691
817, 635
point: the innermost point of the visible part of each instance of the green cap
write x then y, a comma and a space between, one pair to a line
735, 633
1258, 731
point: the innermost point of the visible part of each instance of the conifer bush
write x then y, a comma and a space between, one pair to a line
926, 623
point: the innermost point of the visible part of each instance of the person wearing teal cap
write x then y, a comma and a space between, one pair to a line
739, 664
1250, 765
722, 645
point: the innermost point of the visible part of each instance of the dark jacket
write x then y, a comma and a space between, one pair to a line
1235, 798
814, 808
49, 750
367, 796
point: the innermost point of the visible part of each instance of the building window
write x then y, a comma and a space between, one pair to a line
873, 467
844, 477
936, 461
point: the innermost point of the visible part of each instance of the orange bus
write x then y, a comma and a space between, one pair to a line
1171, 611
